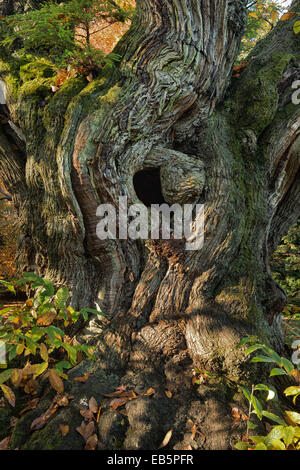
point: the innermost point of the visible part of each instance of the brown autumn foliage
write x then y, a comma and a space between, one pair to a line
8, 239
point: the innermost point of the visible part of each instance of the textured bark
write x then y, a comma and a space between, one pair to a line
168, 106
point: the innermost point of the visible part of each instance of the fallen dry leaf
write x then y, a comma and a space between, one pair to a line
121, 388
82, 379
93, 405
121, 394
235, 412
89, 430
31, 406
149, 392
87, 414
167, 439
4, 443
188, 447
58, 401
55, 381
168, 393
117, 402
91, 443
64, 429
194, 431
81, 428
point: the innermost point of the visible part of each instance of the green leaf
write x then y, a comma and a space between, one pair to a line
275, 434
253, 348
257, 406
277, 444
247, 393
293, 390
297, 27
287, 365
241, 445
273, 417
262, 359
38, 369
61, 297
248, 339
261, 446
60, 366
4, 376
261, 387
93, 311
272, 354
251, 425
277, 371
288, 436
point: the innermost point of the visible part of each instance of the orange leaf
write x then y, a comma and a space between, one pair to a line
149, 392
82, 379
188, 447
288, 16
46, 319
64, 429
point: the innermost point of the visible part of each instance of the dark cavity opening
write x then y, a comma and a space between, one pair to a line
147, 186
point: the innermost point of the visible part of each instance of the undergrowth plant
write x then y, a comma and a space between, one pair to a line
64, 31
34, 339
285, 434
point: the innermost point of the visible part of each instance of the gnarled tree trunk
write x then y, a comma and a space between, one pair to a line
169, 114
